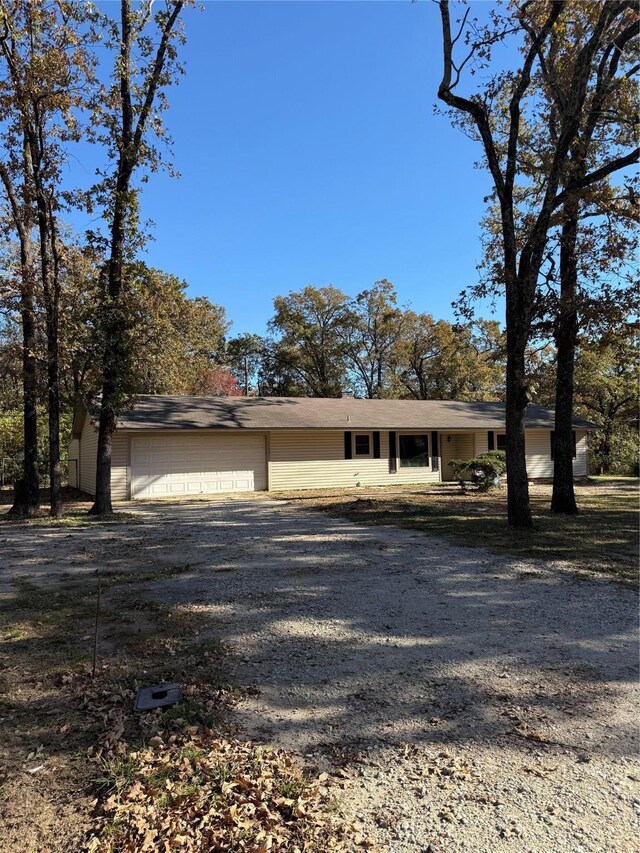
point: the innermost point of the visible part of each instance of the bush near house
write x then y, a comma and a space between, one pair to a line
484, 470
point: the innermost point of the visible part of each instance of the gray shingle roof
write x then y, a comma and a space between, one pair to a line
265, 413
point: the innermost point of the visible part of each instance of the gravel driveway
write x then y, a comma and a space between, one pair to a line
473, 702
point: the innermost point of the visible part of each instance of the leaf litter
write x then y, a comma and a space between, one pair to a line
170, 782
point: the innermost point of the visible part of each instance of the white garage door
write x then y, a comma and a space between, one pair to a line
197, 464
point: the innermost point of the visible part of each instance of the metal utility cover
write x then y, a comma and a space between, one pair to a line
158, 696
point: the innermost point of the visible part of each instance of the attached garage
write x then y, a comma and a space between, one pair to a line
197, 464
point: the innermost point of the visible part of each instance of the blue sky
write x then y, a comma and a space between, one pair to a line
309, 153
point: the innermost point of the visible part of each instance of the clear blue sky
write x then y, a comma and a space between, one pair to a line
309, 153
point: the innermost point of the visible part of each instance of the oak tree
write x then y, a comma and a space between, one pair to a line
499, 113
145, 64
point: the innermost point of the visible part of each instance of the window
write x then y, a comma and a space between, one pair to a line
501, 441
414, 451
362, 444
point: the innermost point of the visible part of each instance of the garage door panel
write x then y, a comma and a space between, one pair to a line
197, 464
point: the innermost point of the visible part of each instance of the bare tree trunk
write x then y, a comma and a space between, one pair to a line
53, 374
131, 139
27, 496
27, 493
53, 377
518, 508
563, 499
113, 360
51, 289
605, 445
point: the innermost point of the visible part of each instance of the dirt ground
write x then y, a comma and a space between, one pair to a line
472, 701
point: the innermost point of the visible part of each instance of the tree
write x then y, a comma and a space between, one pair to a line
169, 340
596, 284
374, 326
310, 327
46, 64
10, 360
607, 127
244, 355
500, 116
606, 381
125, 114
171, 344
214, 381
435, 360
19, 197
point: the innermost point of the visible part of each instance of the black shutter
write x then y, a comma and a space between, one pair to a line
573, 437
553, 442
347, 446
393, 462
435, 460
376, 445
490, 440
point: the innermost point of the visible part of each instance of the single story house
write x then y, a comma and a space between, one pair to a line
202, 445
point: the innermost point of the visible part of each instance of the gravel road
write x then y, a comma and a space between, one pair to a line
471, 701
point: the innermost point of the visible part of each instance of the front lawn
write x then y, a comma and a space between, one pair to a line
603, 538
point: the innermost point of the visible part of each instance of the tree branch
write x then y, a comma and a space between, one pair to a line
156, 73
597, 175
472, 108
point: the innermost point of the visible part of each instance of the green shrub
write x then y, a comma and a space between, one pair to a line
484, 470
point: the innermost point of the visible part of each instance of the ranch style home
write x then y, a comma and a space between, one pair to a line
202, 445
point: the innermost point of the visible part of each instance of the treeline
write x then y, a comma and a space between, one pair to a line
322, 342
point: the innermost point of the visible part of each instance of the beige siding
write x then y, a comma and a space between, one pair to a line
300, 459
87, 452
307, 459
581, 462
458, 445
88, 456
538, 450
120, 467
74, 462
481, 442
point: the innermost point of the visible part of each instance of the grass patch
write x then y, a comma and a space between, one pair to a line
74, 519
117, 773
603, 538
